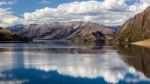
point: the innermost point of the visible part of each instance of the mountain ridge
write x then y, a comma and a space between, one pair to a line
65, 30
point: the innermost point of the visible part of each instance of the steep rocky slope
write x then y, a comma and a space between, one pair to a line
65, 30
135, 29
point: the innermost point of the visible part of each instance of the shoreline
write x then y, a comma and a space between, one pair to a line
13, 42
144, 43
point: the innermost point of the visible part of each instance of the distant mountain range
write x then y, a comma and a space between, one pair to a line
77, 31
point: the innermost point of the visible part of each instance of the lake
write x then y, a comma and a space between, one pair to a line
62, 62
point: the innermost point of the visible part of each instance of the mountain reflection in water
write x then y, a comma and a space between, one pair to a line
65, 63
138, 57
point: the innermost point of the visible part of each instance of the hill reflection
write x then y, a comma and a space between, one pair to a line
138, 57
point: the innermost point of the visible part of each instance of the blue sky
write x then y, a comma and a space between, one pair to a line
80, 10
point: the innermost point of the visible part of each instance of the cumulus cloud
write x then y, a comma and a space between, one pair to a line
7, 18
107, 12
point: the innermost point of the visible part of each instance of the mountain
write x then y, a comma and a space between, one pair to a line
135, 29
16, 28
7, 35
114, 27
76, 31
4, 30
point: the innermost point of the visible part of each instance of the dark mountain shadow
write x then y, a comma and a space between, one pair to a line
136, 56
100, 39
99, 35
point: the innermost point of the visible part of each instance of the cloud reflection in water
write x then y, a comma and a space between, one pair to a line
107, 64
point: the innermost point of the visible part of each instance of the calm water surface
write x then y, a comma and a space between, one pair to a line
65, 63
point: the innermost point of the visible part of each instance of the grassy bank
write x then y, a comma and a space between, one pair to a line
144, 43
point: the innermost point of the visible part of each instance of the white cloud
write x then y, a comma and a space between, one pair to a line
107, 12
7, 18
141, 5
2, 3
6, 2
45, 1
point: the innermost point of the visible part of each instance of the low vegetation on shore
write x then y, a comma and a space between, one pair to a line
8, 36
